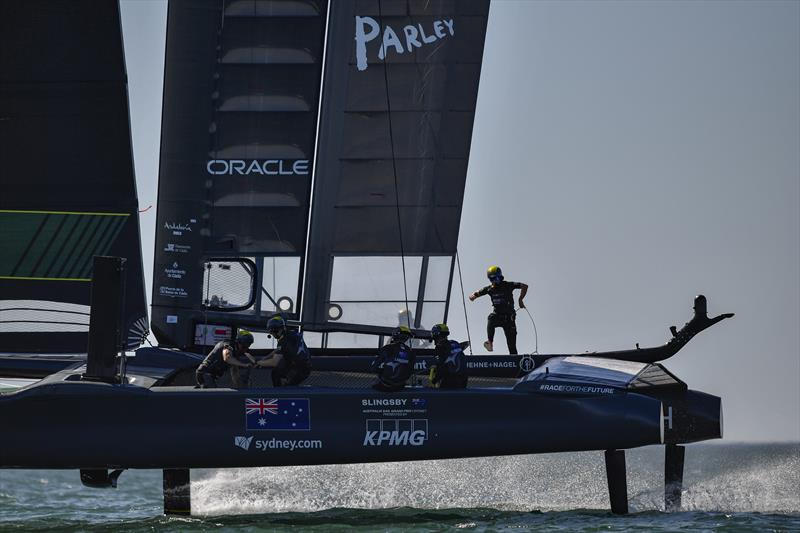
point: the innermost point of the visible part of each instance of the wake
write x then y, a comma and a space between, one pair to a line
760, 478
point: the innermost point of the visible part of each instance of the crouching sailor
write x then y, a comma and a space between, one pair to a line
394, 363
223, 355
450, 369
291, 360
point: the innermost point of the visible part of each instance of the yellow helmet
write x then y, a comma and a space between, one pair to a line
494, 273
401, 333
244, 337
440, 330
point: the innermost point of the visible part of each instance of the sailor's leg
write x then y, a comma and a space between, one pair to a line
277, 377
490, 327
244, 377
510, 329
297, 375
240, 377
382, 387
205, 380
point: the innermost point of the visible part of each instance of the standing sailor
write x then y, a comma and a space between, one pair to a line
394, 363
291, 360
503, 315
223, 355
450, 369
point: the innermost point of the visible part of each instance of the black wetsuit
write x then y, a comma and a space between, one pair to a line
296, 364
213, 366
394, 365
450, 371
502, 295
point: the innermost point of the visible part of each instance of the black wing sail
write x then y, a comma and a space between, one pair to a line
241, 91
67, 178
401, 84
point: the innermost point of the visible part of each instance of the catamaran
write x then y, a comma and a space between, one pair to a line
313, 164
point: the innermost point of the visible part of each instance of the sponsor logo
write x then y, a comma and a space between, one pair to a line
396, 432
584, 389
177, 228
172, 319
177, 248
421, 365
174, 272
526, 364
288, 444
243, 442
380, 402
414, 36
277, 414
668, 418
491, 364
267, 167
211, 334
173, 292
394, 407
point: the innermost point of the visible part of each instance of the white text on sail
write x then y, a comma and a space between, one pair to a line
415, 36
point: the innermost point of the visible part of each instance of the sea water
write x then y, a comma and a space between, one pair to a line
727, 487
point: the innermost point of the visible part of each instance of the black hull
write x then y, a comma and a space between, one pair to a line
95, 425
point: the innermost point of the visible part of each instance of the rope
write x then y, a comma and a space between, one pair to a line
394, 163
464, 301
535, 333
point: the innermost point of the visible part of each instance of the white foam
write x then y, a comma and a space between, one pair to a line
716, 479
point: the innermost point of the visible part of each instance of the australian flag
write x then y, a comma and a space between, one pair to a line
277, 414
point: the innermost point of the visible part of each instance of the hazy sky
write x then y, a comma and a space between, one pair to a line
625, 157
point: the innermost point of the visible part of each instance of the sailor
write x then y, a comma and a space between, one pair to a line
450, 369
394, 363
223, 355
291, 360
503, 315
240, 373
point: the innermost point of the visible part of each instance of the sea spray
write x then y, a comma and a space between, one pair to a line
728, 488
732, 478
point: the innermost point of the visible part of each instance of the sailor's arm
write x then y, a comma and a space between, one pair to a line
477, 294
271, 360
228, 357
384, 355
523, 292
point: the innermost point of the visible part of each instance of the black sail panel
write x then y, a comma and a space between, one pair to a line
401, 84
67, 179
241, 98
